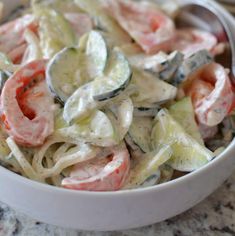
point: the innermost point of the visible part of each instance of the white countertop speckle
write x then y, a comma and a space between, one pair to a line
214, 216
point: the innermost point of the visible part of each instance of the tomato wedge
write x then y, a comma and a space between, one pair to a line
107, 174
211, 93
12, 41
189, 41
26, 105
149, 26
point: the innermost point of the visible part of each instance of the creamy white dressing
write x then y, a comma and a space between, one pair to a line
102, 101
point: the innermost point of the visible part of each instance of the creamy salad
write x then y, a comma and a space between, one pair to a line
103, 95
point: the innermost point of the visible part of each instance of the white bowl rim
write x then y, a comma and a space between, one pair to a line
227, 153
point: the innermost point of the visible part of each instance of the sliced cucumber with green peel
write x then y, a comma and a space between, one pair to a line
140, 132
94, 54
96, 93
104, 21
151, 89
170, 66
61, 72
166, 173
152, 180
117, 77
63, 6
72, 67
80, 105
183, 112
148, 165
59, 121
161, 64
192, 64
97, 130
146, 111
54, 30
188, 154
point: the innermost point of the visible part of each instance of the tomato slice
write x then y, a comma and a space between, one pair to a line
12, 40
105, 174
27, 105
211, 93
189, 41
150, 27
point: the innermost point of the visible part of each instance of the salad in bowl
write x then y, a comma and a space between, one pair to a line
109, 95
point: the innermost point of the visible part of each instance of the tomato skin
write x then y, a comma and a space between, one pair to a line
190, 40
12, 40
109, 174
26, 105
151, 28
212, 94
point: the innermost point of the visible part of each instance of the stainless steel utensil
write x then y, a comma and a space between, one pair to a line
206, 17
229, 5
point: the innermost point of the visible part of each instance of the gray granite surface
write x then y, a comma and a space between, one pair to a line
214, 216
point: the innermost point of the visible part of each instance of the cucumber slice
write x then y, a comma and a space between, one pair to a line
162, 65
80, 105
59, 121
117, 77
148, 165
60, 74
140, 132
183, 112
170, 65
95, 94
63, 6
151, 89
97, 130
151, 180
191, 64
73, 67
104, 22
188, 154
146, 111
54, 30
94, 54
166, 173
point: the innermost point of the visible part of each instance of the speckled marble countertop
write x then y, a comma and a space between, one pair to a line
214, 216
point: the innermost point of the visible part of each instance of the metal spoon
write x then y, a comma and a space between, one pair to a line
209, 18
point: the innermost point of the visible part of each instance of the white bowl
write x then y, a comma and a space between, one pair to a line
115, 210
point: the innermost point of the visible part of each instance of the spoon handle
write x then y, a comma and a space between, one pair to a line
228, 5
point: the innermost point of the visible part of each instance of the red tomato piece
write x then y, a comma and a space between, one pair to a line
106, 174
12, 36
190, 41
150, 27
211, 93
27, 106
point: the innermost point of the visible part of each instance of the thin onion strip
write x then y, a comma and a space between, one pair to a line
25, 165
